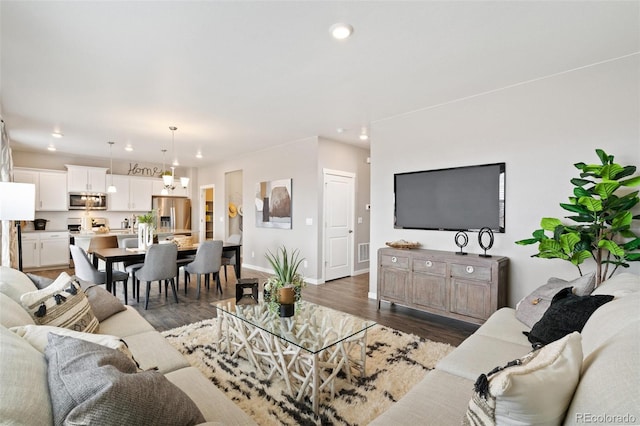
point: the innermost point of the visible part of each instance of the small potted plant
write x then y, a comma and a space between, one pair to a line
286, 285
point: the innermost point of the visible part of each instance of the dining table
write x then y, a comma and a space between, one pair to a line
120, 254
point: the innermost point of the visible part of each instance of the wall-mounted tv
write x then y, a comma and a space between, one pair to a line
455, 199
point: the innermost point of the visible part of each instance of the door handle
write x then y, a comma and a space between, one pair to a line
351, 231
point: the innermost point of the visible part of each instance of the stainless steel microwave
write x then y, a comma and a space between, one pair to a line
87, 201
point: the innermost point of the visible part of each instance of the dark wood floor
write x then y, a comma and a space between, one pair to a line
346, 294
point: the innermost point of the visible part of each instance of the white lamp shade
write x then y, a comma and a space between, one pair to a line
167, 179
184, 181
17, 201
112, 189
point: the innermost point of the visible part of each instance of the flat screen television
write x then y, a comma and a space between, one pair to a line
456, 199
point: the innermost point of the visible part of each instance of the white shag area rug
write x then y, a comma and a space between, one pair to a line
396, 361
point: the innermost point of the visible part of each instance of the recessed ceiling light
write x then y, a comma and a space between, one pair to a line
128, 147
341, 130
57, 135
364, 137
341, 31
51, 147
199, 154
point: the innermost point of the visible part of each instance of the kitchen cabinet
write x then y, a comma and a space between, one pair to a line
45, 249
51, 187
468, 288
133, 194
86, 179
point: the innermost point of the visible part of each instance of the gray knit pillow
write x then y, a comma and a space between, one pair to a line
531, 309
93, 384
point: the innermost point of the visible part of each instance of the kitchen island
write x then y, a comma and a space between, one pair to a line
83, 238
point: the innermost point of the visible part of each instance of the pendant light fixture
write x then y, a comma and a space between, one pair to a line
111, 189
167, 180
170, 179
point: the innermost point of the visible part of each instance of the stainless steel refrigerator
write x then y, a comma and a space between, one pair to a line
173, 212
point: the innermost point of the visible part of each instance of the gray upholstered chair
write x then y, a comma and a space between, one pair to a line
159, 265
207, 261
131, 266
85, 270
229, 259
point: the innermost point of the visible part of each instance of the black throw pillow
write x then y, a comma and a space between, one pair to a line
566, 314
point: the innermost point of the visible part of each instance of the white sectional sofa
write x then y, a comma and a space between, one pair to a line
608, 390
24, 391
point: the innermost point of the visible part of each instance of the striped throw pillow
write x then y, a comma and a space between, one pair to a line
62, 304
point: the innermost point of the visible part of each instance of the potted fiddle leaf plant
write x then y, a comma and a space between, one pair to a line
285, 286
601, 211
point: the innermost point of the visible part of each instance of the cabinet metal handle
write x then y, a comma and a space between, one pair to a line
469, 269
394, 259
428, 264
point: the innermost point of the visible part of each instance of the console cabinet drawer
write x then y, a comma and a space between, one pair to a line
392, 261
429, 266
471, 272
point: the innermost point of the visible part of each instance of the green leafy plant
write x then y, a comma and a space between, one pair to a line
147, 218
285, 266
603, 218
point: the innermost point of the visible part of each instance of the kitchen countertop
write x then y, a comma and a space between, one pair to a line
127, 233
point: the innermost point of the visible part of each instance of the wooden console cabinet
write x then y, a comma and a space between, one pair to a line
468, 288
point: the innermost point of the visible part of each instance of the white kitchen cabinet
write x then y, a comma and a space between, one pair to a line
45, 249
86, 179
30, 250
133, 194
51, 187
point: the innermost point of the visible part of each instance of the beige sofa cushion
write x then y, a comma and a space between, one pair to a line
619, 285
14, 283
125, 323
211, 401
440, 399
479, 354
609, 320
504, 325
610, 380
12, 313
24, 393
151, 350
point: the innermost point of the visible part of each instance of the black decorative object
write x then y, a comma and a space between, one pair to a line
485, 231
247, 291
461, 239
287, 310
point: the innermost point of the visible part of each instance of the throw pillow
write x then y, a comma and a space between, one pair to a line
14, 283
530, 309
567, 313
37, 336
103, 304
12, 313
62, 304
40, 281
92, 384
536, 389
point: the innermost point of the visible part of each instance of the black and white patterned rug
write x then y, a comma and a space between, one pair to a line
395, 362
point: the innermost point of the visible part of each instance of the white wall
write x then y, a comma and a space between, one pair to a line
296, 160
540, 129
348, 158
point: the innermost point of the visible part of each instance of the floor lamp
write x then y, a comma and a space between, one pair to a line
18, 203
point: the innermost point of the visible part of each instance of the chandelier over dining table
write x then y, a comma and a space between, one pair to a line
169, 180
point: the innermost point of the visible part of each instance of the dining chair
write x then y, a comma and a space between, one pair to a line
229, 259
85, 270
131, 266
159, 265
207, 261
98, 242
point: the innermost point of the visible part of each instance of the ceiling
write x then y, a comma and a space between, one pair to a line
236, 77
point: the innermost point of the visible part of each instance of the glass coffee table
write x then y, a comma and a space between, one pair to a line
307, 350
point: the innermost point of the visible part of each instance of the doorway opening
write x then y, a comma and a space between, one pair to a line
207, 212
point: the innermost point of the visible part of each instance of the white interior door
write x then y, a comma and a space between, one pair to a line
338, 218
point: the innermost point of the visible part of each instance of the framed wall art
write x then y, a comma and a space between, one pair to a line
273, 204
